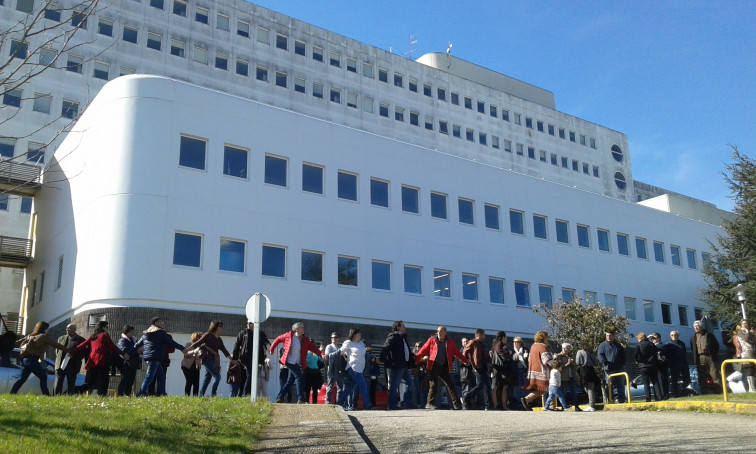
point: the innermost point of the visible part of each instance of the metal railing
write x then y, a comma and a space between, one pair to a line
722, 372
20, 178
627, 384
15, 252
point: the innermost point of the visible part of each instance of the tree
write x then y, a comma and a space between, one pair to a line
733, 257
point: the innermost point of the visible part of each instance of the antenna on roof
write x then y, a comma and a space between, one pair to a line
412, 42
448, 55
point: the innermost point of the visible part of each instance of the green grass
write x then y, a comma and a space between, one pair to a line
87, 424
749, 398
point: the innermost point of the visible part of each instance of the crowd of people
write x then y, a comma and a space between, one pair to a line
496, 377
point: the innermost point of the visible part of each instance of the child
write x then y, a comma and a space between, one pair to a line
555, 383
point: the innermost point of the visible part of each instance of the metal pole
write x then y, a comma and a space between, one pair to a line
741, 298
254, 369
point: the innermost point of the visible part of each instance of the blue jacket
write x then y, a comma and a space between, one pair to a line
127, 346
155, 341
612, 356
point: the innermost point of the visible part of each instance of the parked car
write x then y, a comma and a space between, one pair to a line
638, 394
10, 374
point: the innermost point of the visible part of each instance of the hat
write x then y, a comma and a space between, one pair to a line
334, 334
517, 339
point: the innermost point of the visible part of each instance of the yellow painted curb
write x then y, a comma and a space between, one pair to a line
729, 407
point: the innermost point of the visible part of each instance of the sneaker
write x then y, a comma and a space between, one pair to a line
525, 405
431, 407
301, 402
567, 407
279, 401
589, 409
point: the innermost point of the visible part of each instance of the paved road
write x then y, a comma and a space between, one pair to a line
425, 431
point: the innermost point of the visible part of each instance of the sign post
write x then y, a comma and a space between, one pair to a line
257, 311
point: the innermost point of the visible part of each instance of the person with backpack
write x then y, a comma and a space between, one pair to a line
440, 352
242, 352
98, 365
33, 349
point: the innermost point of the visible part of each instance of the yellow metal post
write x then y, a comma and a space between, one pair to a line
722, 372
627, 384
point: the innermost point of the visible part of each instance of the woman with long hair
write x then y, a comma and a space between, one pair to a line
538, 369
98, 370
503, 371
744, 340
35, 345
208, 356
354, 348
190, 368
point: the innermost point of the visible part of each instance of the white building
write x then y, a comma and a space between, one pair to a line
351, 185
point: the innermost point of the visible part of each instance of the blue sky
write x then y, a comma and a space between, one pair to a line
677, 77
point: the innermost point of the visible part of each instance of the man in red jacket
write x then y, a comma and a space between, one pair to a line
296, 346
440, 351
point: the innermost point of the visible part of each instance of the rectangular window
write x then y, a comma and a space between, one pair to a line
539, 226
522, 293
235, 161
493, 111
242, 29
70, 109
26, 205
575, 165
261, 74
177, 48
381, 275
413, 280
590, 297
12, 98
300, 85
603, 240
516, 224
273, 261
130, 34
276, 170
383, 110
505, 115
398, 114
382, 75
19, 49
539, 126
561, 133
157, 4
429, 123
154, 41
531, 152
468, 103
691, 255
79, 20
3, 202
232, 255
666, 310
551, 130
495, 142
554, 161
648, 311
74, 63
221, 62
179, 8
427, 90
367, 105
482, 138
659, 251
398, 80
542, 155
105, 27
35, 152
192, 153
630, 308
352, 65
582, 140
282, 42
572, 136
438, 205
187, 249
414, 119
466, 208
568, 294
379, 192
470, 135
705, 259
352, 100
410, 199
300, 48
335, 60
347, 271
441, 94
317, 90
347, 186
595, 171
455, 98
593, 143
470, 287
491, 213
586, 169
25, 6
200, 55
312, 178
312, 266
640, 248
47, 56
481, 107
583, 236
442, 283
443, 127
622, 244
674, 253
282, 79
508, 146
263, 37
528, 123
457, 131
242, 68
565, 162
202, 15
682, 313
610, 301
413, 85
546, 295
519, 149
367, 70
496, 290
562, 232
698, 313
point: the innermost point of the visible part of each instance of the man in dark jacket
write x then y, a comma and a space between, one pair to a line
71, 367
398, 358
678, 363
705, 350
476, 353
612, 356
243, 352
155, 341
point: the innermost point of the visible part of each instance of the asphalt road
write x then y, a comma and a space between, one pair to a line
426, 431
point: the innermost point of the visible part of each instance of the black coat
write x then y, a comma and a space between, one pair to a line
646, 356
392, 352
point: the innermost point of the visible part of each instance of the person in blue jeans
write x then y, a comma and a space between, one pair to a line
155, 340
211, 344
397, 357
296, 346
612, 356
35, 346
555, 387
354, 348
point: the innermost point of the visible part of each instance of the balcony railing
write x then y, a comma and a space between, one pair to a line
20, 178
15, 252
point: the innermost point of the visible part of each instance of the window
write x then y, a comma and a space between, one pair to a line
682, 313
648, 310
261, 74
300, 85
466, 211
414, 118
539, 126
593, 143
101, 70
179, 8
410, 199
347, 186
442, 283
583, 236
312, 178
221, 62
3, 202
383, 110
379, 192
79, 20
590, 297
312, 266
300, 48
698, 313
586, 169
457, 131
273, 261
26, 205
105, 27
438, 205
528, 123
352, 65
468, 103
35, 152
200, 55
130, 34
505, 115
640, 248
367, 70
496, 290
70, 109
25, 6
335, 60
546, 295
491, 213
595, 171
531, 152
235, 161
522, 293
495, 142
382, 75
551, 130
347, 271
367, 105
561, 133
617, 153
519, 148
508, 146
470, 287
187, 249
659, 251
470, 135
242, 68
443, 127
619, 180
482, 138
622, 244
574, 165
157, 4
177, 48
582, 140
398, 114
59, 280
705, 258
427, 90
154, 41
539, 226
666, 310
74, 63
674, 253
568, 294
562, 232
554, 159
516, 222
192, 153
572, 136
381, 275
242, 29
691, 255
202, 15
275, 170
542, 155
565, 162
481, 107
263, 38
413, 279
611, 302
12, 98
493, 111
317, 90
630, 308
282, 42
398, 80
429, 123
47, 56
281, 79
232, 255
441, 94
455, 98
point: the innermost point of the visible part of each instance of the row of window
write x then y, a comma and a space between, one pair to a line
42, 103
35, 152
26, 203
193, 154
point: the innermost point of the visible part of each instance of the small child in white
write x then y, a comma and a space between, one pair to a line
555, 387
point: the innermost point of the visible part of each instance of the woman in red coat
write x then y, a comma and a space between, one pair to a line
97, 364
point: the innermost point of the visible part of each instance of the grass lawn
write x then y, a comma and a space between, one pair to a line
87, 424
749, 398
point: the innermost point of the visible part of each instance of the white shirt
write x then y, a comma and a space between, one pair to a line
355, 355
330, 348
294, 350
555, 379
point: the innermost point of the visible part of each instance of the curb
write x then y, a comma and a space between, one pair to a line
729, 407
360, 447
